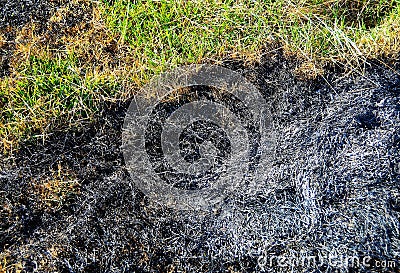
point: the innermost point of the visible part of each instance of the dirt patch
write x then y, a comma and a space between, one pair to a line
334, 187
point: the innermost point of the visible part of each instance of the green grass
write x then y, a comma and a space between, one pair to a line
169, 33
148, 37
46, 94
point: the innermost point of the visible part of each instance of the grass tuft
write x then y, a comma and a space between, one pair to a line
169, 33
45, 94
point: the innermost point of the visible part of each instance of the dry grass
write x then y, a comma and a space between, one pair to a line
6, 267
53, 82
56, 189
112, 48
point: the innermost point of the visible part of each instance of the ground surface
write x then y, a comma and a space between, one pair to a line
334, 187
61, 59
68, 204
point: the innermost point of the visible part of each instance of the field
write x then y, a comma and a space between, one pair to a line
328, 69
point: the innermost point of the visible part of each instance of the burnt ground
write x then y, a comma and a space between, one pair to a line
15, 15
334, 187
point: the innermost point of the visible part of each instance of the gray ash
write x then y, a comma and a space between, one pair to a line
334, 187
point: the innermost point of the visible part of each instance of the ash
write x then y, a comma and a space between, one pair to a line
333, 188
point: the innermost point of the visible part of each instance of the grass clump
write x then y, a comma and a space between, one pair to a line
46, 93
168, 33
